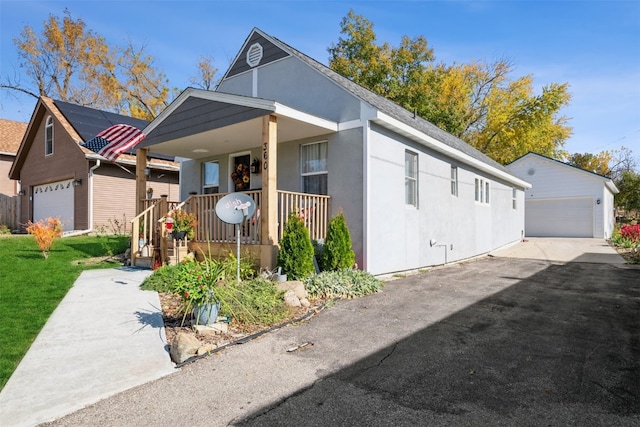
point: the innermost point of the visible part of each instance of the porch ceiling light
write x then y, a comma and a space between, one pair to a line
200, 150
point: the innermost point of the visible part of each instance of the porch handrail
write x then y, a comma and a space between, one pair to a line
141, 230
148, 226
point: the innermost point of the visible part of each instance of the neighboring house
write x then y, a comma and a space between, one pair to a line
565, 201
11, 133
59, 178
298, 137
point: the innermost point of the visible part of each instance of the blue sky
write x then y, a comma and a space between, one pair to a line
592, 45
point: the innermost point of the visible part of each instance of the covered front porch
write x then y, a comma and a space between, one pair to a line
202, 127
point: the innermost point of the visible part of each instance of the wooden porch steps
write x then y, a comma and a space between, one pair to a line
176, 251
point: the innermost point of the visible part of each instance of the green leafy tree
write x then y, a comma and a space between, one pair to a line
337, 252
477, 102
296, 250
629, 186
69, 62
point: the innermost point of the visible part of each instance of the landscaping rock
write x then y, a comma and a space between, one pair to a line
214, 329
208, 348
183, 347
291, 300
305, 302
293, 285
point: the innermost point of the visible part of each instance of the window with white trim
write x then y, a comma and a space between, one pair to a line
411, 178
48, 136
211, 177
454, 181
514, 198
313, 167
482, 191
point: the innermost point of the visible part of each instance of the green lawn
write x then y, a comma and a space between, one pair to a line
31, 287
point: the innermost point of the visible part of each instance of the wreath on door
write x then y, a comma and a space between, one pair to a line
241, 177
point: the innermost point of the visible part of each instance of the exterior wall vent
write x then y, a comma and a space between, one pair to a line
254, 55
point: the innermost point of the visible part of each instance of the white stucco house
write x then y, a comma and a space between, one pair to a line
297, 137
565, 201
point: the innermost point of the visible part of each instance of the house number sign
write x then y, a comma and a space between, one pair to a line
265, 155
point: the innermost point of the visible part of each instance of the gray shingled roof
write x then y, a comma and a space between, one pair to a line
392, 109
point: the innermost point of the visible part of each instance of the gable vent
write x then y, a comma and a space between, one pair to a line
254, 55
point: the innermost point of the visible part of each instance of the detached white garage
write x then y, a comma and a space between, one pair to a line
55, 200
564, 201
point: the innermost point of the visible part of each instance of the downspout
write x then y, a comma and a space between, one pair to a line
90, 210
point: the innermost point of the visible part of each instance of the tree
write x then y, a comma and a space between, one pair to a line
476, 102
629, 186
71, 63
207, 77
622, 160
596, 163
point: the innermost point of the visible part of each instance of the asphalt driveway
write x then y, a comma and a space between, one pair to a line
495, 341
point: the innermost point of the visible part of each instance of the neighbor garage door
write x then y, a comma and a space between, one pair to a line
559, 217
54, 200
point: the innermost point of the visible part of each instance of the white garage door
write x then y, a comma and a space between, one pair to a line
559, 217
54, 200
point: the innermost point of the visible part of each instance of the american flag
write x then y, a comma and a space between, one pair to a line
115, 140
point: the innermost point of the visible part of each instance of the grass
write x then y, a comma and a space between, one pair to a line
31, 287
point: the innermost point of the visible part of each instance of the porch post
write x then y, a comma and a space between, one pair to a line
141, 178
269, 208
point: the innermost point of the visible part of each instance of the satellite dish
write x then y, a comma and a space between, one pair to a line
235, 208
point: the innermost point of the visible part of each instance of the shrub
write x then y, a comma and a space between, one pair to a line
45, 231
337, 252
344, 283
4, 229
256, 302
296, 251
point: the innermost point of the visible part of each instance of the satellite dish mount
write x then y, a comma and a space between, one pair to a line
236, 208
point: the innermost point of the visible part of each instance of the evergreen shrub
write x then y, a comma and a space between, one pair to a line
336, 252
296, 251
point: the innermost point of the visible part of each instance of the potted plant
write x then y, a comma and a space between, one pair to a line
183, 224
149, 193
196, 284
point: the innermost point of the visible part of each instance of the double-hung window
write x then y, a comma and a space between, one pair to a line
454, 181
48, 136
211, 177
411, 178
483, 189
313, 167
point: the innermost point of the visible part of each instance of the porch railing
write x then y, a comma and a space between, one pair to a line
313, 209
210, 228
149, 226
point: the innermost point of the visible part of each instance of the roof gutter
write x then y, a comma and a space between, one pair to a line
426, 140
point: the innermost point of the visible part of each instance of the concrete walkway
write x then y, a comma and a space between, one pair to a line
562, 249
106, 336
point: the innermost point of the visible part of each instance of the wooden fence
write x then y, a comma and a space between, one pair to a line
9, 211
